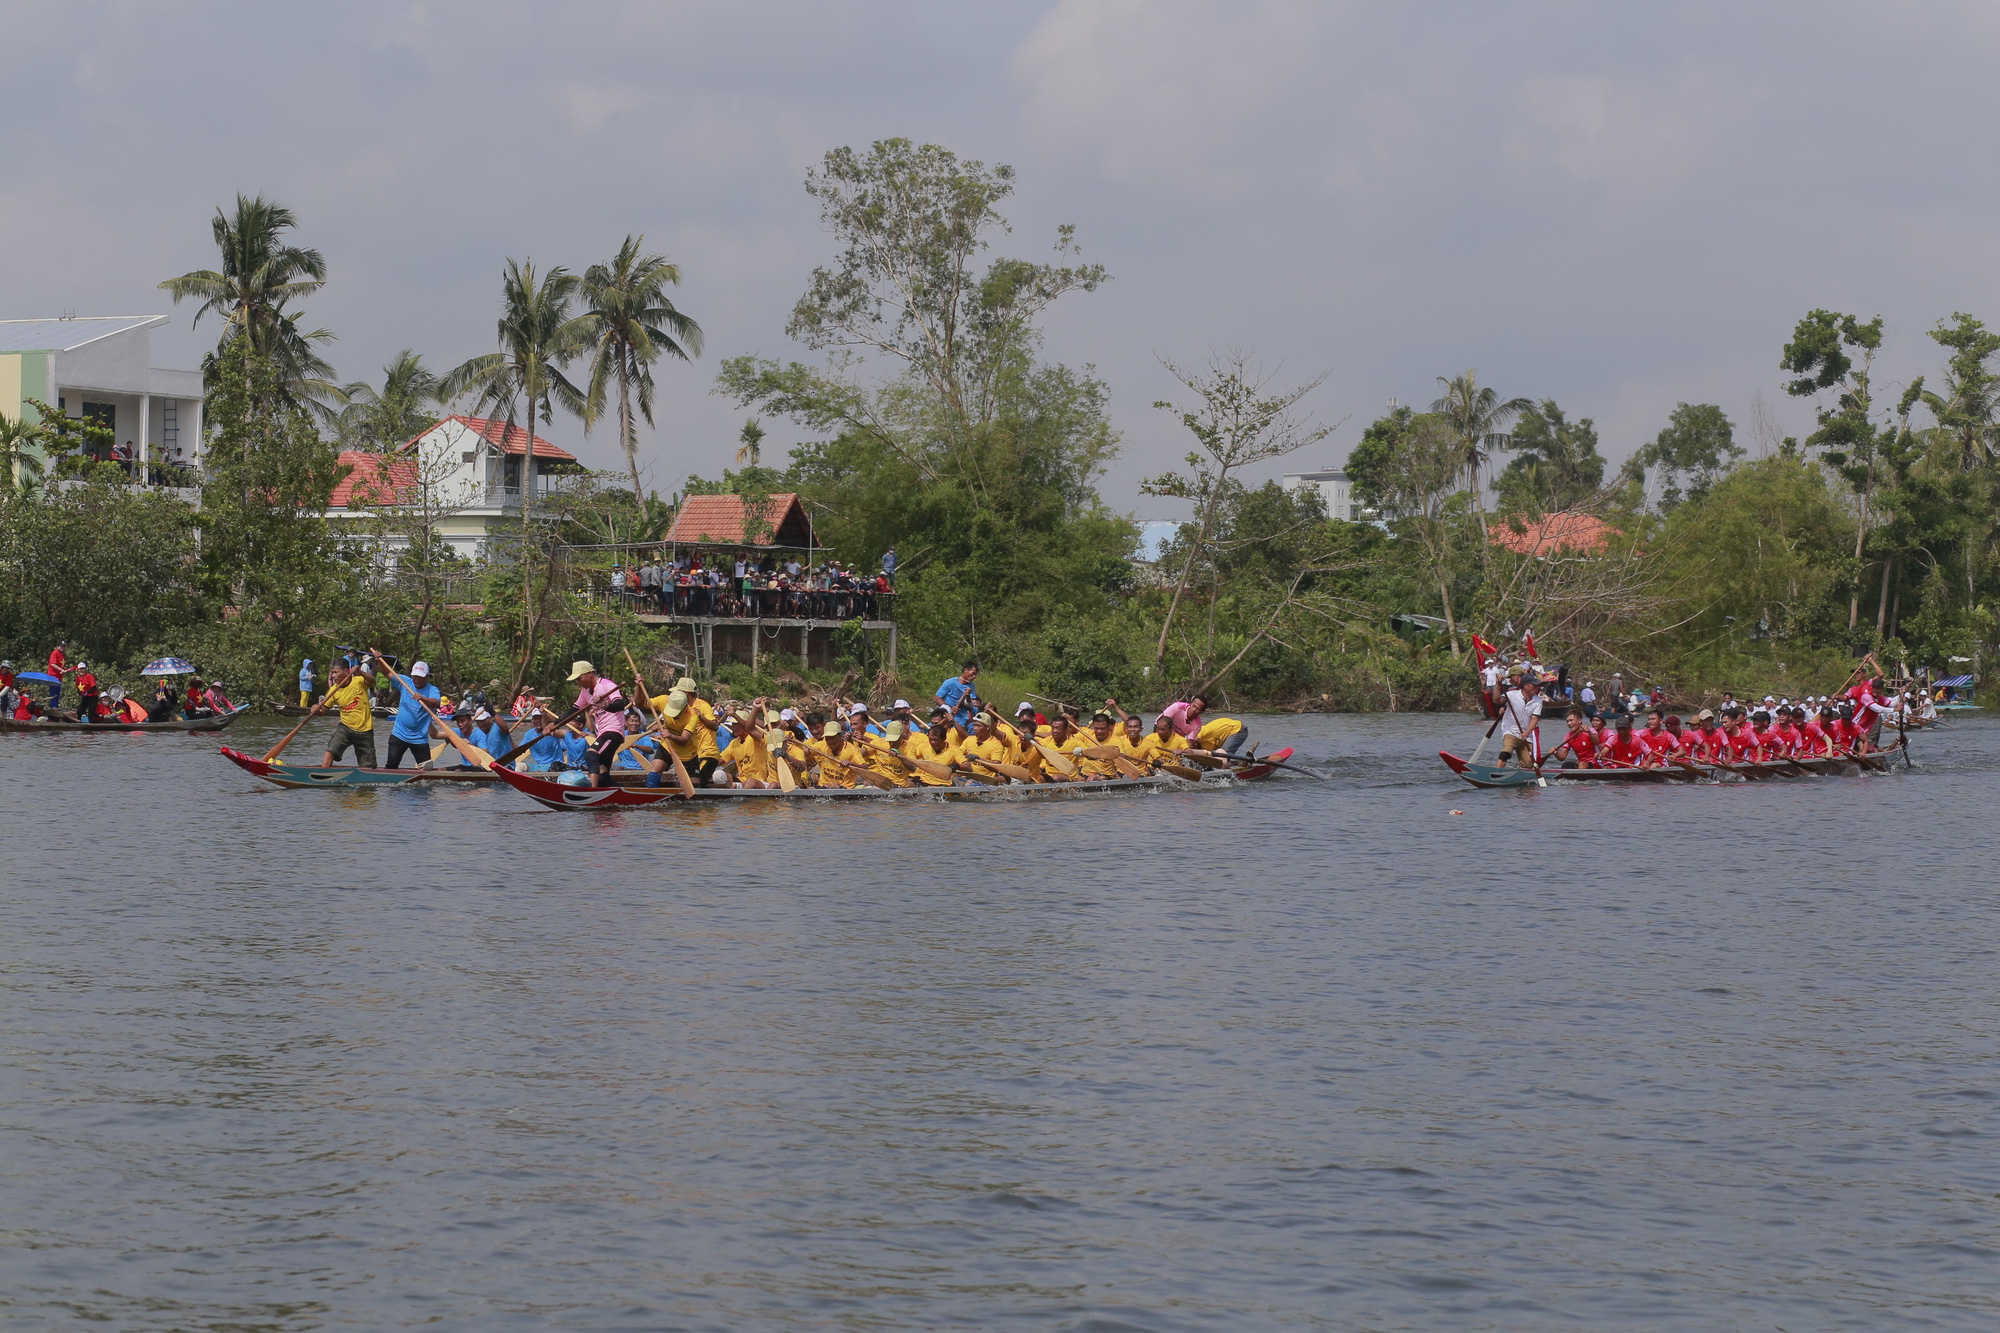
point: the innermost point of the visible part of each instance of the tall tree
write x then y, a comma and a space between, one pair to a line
633, 323
1479, 419
539, 334
1556, 463
405, 406
1239, 421
750, 446
261, 274
1418, 483
1695, 450
1820, 354
1971, 398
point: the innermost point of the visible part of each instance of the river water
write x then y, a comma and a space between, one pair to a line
1304, 1055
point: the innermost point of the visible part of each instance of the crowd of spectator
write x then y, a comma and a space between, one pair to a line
763, 588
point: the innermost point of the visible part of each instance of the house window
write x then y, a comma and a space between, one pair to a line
104, 414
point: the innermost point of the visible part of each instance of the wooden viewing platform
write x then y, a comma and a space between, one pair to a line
748, 638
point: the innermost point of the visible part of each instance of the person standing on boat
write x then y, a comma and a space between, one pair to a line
1520, 721
411, 732
348, 693
86, 693
306, 684
58, 668
603, 706
959, 696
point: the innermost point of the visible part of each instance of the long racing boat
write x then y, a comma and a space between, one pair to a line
306, 775
1497, 775
182, 724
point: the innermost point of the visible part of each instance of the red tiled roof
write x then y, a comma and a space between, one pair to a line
1584, 533
719, 519
511, 439
365, 483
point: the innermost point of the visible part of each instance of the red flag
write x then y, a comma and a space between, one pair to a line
1528, 644
1484, 649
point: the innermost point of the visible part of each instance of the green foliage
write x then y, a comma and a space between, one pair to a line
632, 323
1696, 448
1556, 464
405, 407
101, 564
1368, 463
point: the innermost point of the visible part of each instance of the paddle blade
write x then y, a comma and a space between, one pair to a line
786, 780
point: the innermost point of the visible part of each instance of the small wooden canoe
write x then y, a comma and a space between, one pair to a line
182, 724
304, 775
630, 792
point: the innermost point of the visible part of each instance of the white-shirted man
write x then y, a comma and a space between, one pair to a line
1520, 719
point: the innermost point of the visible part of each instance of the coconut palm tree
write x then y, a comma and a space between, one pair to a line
19, 466
632, 324
403, 408
1478, 420
260, 274
752, 447
539, 335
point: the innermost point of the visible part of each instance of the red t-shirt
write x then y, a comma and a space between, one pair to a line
1627, 748
1841, 732
1815, 740
56, 662
1774, 741
1716, 741
86, 683
22, 712
1670, 742
1582, 743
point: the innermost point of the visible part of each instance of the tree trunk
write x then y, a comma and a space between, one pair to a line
1187, 567
625, 434
1450, 625
1882, 598
1860, 536
1896, 611
527, 551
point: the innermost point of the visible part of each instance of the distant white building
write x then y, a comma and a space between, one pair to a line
101, 366
1333, 488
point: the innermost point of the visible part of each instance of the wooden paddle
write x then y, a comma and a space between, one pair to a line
681, 777
862, 771
526, 746
787, 780
272, 754
930, 766
1014, 771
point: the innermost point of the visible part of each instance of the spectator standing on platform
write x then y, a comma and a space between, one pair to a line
889, 567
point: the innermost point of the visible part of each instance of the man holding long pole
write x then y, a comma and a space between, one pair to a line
1520, 721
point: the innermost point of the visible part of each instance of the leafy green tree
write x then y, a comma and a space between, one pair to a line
539, 334
632, 324
102, 564
750, 442
261, 274
1368, 462
1821, 355
1695, 450
1556, 464
1966, 409
1420, 483
380, 421
1240, 421
1480, 420
266, 550
975, 461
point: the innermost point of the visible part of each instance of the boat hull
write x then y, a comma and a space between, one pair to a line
301, 775
630, 793
1494, 775
184, 724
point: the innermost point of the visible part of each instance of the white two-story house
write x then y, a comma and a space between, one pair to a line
467, 470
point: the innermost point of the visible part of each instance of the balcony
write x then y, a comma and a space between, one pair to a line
506, 498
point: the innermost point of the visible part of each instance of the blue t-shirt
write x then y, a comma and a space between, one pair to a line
491, 739
413, 724
544, 751
955, 692
574, 749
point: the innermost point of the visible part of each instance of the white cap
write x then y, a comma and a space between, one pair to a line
786, 715
421, 669
1025, 707
482, 716
857, 710
901, 703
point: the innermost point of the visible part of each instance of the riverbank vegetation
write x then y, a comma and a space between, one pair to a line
928, 418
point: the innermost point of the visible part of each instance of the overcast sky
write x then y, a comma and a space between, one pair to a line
1615, 205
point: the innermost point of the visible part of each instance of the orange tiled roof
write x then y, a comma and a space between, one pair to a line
719, 519
1584, 533
510, 439
373, 480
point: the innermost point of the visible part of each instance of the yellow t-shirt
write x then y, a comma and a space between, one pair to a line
1213, 734
919, 747
352, 701
878, 756
1093, 768
751, 757
700, 740
832, 774
1152, 750
993, 747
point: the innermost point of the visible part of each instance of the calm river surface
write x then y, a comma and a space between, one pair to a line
1302, 1056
